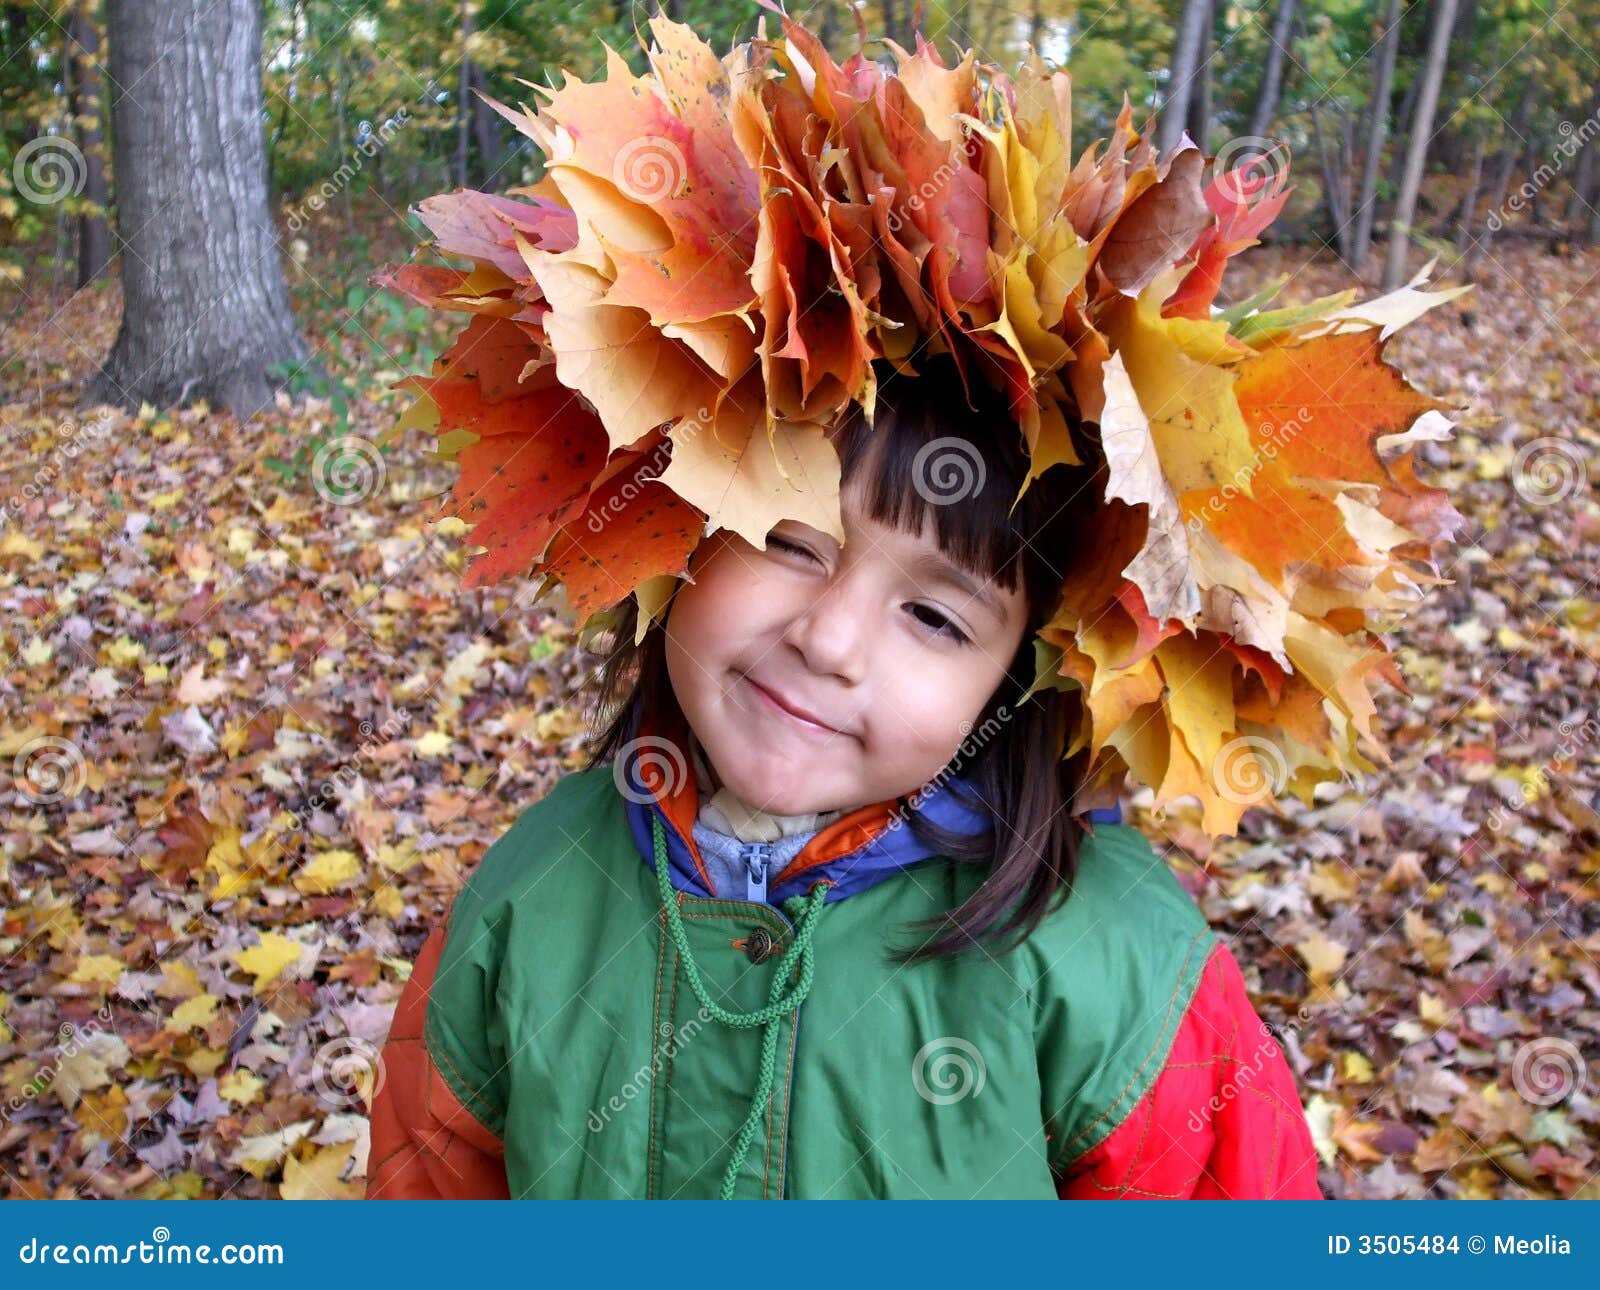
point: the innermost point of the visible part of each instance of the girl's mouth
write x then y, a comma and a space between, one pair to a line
776, 704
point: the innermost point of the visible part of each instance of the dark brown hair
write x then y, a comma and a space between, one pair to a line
1018, 773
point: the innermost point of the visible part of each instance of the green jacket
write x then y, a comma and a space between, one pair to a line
549, 1045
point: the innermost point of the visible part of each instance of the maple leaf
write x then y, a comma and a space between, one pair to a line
267, 960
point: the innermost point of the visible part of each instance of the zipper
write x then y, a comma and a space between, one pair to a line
757, 866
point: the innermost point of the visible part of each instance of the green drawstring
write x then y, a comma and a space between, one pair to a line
778, 1006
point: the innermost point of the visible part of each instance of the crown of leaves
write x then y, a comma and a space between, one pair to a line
664, 328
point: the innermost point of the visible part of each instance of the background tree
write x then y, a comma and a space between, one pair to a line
94, 232
206, 311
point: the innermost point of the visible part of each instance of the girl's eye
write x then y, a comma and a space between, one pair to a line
941, 625
783, 544
927, 615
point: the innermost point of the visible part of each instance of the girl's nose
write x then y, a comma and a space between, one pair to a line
833, 632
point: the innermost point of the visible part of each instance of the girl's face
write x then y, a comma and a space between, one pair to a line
819, 677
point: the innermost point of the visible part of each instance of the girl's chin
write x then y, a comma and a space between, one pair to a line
776, 796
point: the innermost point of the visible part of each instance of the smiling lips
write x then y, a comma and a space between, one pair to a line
797, 716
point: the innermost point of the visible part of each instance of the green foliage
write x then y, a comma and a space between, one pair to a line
363, 99
371, 337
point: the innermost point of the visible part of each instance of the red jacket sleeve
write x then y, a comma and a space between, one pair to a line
1222, 1121
425, 1144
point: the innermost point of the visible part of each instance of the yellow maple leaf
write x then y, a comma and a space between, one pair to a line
97, 969
195, 1013
268, 959
398, 859
320, 1176
241, 1086
16, 543
261, 1151
124, 650
104, 1116
1322, 957
1357, 1069
433, 744
327, 872
202, 1063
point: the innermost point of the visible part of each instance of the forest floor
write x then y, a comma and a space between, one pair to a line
256, 735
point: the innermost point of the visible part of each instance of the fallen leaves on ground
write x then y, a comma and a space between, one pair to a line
259, 735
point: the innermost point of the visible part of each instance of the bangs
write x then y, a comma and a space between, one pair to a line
930, 449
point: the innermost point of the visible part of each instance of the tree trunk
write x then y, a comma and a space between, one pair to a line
1417, 147
1469, 200
1408, 104
464, 97
1377, 138
1502, 179
1584, 221
486, 132
1186, 47
1582, 176
1531, 165
1199, 122
205, 310
94, 233
344, 151
1272, 74
1452, 140
1335, 159
288, 92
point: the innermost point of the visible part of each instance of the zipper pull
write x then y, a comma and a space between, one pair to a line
757, 858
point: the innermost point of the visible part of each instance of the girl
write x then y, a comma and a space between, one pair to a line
820, 920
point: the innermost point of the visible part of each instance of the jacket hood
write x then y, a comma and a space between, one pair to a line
858, 850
